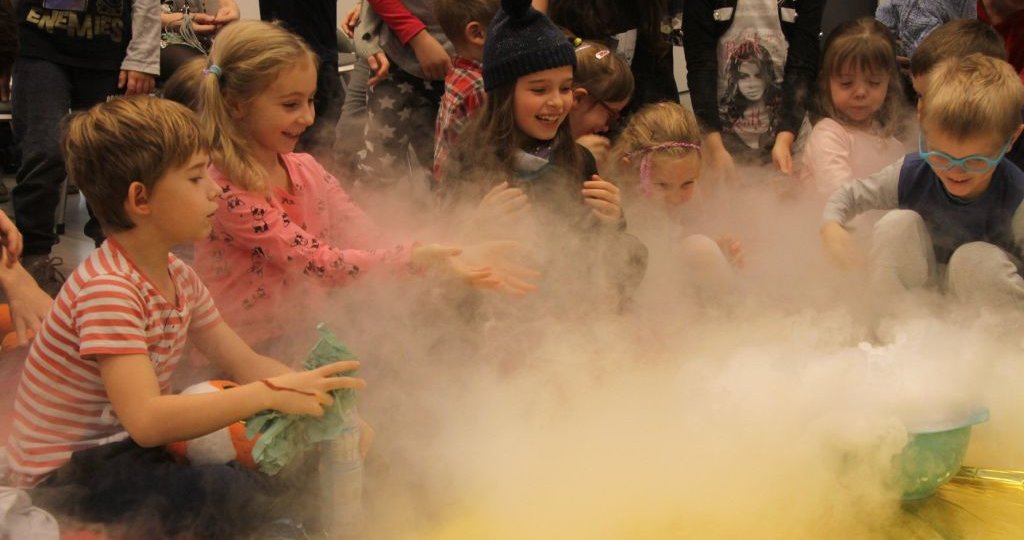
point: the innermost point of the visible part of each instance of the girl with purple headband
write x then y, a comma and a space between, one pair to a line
658, 157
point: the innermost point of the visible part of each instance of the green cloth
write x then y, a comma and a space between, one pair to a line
285, 436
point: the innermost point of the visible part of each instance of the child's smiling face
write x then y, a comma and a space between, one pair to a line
542, 101
276, 117
750, 81
957, 181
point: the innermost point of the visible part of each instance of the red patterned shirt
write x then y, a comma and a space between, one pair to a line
463, 94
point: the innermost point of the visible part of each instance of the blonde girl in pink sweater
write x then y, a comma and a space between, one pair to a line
285, 231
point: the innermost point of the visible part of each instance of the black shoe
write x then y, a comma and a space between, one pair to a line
47, 272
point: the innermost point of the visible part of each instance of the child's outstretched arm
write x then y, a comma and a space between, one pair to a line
879, 191
152, 419
263, 227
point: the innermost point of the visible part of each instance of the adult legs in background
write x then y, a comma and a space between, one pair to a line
43, 94
402, 110
352, 123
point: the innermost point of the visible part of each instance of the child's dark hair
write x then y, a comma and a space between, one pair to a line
753, 52
864, 45
8, 35
455, 15
594, 23
133, 139
183, 86
602, 72
956, 39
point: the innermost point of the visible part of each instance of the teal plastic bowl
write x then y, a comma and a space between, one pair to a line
932, 456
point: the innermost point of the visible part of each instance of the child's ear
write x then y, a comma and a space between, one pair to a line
236, 109
475, 33
137, 201
579, 93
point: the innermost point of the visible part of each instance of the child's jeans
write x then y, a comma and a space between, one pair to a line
144, 493
43, 92
902, 258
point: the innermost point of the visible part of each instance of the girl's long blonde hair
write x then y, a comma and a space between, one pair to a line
867, 45
246, 58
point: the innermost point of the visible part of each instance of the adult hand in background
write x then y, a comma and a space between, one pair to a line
135, 82
433, 58
379, 67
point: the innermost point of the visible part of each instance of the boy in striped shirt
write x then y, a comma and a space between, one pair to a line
94, 399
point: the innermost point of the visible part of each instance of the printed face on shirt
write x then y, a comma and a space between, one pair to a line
858, 94
750, 81
590, 115
542, 101
275, 118
184, 201
674, 178
958, 182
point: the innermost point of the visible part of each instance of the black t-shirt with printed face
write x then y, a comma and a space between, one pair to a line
80, 33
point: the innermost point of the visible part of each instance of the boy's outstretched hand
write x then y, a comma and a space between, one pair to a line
839, 246
306, 392
604, 199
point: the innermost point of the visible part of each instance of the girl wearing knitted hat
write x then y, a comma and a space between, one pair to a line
522, 133
518, 153
658, 157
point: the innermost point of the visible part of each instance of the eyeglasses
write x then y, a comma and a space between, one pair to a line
975, 164
613, 115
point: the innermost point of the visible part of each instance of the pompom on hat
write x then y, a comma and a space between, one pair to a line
520, 41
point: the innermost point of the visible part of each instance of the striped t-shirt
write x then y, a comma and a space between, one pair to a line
106, 307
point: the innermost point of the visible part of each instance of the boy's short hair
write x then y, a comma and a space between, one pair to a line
132, 139
973, 96
455, 15
956, 39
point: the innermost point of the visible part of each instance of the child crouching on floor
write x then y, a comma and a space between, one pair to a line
954, 217
93, 408
658, 159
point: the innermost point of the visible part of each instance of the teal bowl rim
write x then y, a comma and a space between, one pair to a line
978, 416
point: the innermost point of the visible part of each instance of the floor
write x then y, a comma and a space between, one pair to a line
74, 246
